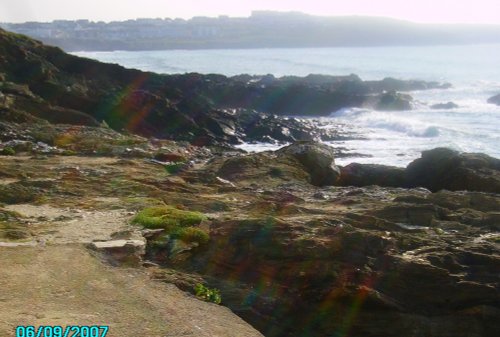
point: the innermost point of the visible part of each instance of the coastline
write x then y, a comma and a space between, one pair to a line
134, 177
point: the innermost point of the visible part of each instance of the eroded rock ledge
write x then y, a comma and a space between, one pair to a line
298, 260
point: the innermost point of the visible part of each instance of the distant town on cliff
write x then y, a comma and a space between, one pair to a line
263, 29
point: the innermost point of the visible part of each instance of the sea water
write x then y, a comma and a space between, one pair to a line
383, 137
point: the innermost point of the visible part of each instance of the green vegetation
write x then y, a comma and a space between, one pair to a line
167, 217
8, 151
174, 167
176, 222
15, 193
276, 172
192, 234
207, 294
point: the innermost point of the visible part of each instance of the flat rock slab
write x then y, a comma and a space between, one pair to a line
65, 285
128, 252
117, 244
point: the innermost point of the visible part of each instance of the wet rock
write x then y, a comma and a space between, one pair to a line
444, 106
494, 100
393, 101
413, 215
443, 168
257, 168
317, 159
371, 174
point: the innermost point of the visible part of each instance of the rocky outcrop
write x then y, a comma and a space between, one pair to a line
294, 264
443, 168
444, 106
45, 83
494, 100
317, 159
437, 169
392, 253
371, 174
393, 101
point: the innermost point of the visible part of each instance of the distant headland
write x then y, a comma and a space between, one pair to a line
263, 29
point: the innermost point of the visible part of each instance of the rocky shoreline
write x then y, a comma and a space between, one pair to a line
139, 168
42, 82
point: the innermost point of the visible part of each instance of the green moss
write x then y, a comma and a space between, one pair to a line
176, 222
192, 234
276, 172
69, 153
167, 217
174, 168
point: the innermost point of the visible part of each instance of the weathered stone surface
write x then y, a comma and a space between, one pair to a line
129, 252
317, 159
443, 168
398, 254
371, 174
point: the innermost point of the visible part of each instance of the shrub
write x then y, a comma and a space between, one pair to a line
207, 294
8, 151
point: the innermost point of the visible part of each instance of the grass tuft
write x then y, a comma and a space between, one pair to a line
178, 223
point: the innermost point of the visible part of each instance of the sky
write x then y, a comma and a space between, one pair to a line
426, 11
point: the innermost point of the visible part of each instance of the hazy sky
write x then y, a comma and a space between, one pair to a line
446, 11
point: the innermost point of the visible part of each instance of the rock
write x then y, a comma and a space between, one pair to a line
266, 169
393, 101
371, 174
225, 182
442, 168
129, 252
317, 159
16, 89
494, 100
169, 157
444, 106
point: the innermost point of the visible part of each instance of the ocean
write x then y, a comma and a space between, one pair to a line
390, 138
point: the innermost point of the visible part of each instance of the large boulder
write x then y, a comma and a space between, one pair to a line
494, 100
317, 159
371, 174
443, 168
